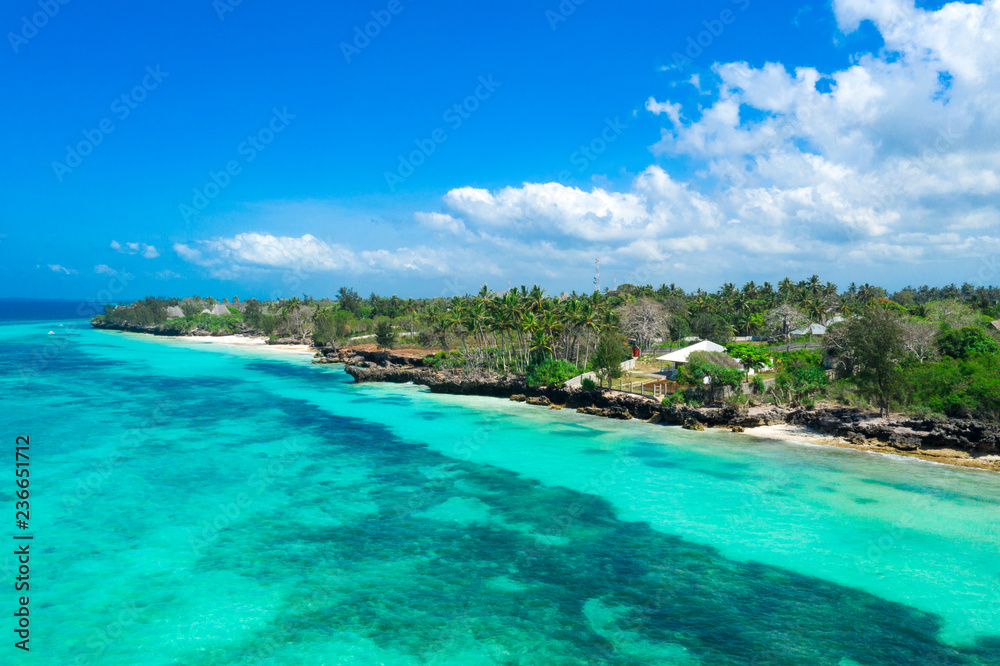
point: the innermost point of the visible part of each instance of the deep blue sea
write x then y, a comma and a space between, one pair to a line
197, 504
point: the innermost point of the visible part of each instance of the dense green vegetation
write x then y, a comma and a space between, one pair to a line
551, 371
385, 337
924, 350
715, 370
801, 378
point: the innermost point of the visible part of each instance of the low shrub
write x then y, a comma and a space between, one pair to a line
551, 371
674, 399
445, 360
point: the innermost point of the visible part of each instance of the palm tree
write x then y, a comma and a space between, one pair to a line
536, 297
290, 314
785, 289
410, 308
813, 285
588, 320
541, 345
816, 309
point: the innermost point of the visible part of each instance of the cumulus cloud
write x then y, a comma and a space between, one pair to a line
228, 257
656, 206
892, 159
142, 249
901, 141
104, 269
673, 111
440, 222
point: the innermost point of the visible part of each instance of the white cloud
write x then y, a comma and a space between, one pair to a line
673, 111
227, 257
440, 222
898, 161
265, 251
56, 268
104, 269
167, 274
655, 206
898, 143
142, 249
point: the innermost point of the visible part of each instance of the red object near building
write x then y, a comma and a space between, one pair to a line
635, 352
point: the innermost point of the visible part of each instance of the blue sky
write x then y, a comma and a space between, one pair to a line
728, 140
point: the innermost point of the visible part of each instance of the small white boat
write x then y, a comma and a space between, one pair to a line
52, 332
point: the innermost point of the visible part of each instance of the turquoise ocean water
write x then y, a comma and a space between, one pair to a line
195, 505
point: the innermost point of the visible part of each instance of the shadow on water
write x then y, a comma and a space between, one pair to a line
476, 560
481, 556
942, 493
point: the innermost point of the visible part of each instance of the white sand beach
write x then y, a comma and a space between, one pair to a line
245, 341
795, 433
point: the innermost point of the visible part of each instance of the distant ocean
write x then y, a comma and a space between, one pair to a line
18, 309
204, 506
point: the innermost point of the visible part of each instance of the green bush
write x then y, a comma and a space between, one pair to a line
588, 384
759, 387
385, 337
802, 375
966, 342
674, 399
229, 324
711, 365
963, 388
693, 398
445, 360
551, 371
146, 312
737, 399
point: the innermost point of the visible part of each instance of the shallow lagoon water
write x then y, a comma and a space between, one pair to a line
239, 506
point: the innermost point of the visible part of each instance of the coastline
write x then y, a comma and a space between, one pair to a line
223, 341
954, 442
259, 342
809, 437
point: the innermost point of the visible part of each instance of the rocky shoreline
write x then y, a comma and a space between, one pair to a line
953, 441
149, 330
962, 442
